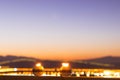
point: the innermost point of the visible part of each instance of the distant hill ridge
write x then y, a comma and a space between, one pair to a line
106, 59
20, 61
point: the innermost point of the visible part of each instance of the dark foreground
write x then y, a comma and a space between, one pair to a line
51, 78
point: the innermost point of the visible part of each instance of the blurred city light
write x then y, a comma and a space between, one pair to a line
65, 64
38, 65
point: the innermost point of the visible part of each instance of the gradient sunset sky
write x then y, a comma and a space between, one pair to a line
60, 29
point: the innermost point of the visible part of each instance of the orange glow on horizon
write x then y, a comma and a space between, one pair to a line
62, 54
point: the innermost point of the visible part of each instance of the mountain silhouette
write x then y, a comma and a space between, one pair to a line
108, 62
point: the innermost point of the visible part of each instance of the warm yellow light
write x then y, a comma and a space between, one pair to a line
15, 69
107, 72
38, 64
65, 64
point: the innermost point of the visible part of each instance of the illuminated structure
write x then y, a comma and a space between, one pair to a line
38, 69
65, 69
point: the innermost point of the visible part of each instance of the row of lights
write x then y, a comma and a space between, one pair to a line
64, 70
66, 66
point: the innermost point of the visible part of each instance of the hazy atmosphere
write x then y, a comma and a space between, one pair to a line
60, 29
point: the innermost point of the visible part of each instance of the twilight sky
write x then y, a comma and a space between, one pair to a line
60, 29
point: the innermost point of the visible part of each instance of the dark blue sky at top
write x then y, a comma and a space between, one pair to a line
62, 22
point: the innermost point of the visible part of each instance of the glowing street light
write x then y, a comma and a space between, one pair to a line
38, 65
65, 69
15, 69
65, 64
38, 69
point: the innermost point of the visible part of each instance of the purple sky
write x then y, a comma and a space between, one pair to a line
54, 29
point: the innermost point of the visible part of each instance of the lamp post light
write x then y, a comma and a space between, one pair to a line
65, 69
38, 69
